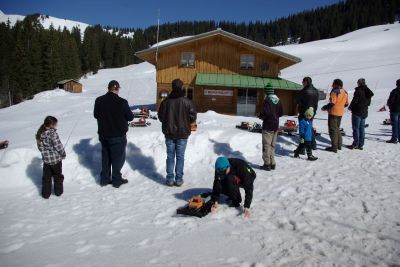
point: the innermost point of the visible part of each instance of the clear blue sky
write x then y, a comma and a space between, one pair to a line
143, 13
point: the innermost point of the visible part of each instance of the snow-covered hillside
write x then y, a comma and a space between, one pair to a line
371, 53
341, 210
47, 21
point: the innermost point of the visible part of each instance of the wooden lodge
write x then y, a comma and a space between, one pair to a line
70, 85
222, 72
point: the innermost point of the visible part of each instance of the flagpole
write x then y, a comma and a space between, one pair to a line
158, 33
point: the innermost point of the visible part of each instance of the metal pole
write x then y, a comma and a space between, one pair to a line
9, 91
158, 33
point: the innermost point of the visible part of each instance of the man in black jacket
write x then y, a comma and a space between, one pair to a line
272, 110
394, 107
307, 97
359, 112
230, 175
176, 114
112, 113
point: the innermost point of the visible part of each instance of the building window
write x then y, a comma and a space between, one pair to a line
246, 61
187, 59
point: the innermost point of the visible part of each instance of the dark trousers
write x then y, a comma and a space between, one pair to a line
113, 153
52, 171
334, 131
307, 145
230, 188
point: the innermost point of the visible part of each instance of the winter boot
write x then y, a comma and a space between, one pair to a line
169, 183
120, 182
312, 158
331, 149
266, 167
178, 183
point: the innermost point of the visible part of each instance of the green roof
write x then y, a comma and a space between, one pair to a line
244, 81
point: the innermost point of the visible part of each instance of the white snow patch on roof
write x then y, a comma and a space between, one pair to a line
171, 41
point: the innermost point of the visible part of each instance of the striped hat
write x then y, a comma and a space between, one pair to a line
268, 89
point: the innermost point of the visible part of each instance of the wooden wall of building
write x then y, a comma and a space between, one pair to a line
219, 55
212, 55
73, 87
220, 104
288, 101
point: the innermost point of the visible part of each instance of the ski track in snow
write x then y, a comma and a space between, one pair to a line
341, 210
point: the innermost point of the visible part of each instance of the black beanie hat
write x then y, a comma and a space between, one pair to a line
177, 84
113, 84
398, 82
308, 80
338, 82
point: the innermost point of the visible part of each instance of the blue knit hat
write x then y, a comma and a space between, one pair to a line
221, 164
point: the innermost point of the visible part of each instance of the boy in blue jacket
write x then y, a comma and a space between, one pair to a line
305, 130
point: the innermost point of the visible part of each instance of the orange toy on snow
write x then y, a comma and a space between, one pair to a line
196, 202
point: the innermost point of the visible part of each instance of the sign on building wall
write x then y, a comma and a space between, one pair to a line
218, 92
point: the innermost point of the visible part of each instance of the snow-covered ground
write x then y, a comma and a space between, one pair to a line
342, 210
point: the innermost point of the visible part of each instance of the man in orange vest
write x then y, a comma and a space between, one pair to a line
338, 100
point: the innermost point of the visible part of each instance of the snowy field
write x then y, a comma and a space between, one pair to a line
341, 210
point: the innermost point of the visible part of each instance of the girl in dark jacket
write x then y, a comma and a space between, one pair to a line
53, 153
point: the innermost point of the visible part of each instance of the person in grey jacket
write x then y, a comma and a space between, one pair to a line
176, 114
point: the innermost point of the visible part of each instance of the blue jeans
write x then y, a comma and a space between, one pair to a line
175, 148
395, 121
358, 124
113, 152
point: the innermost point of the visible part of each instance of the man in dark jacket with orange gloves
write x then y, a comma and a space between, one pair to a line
230, 175
176, 114
394, 107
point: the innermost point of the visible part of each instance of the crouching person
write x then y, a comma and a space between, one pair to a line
230, 175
